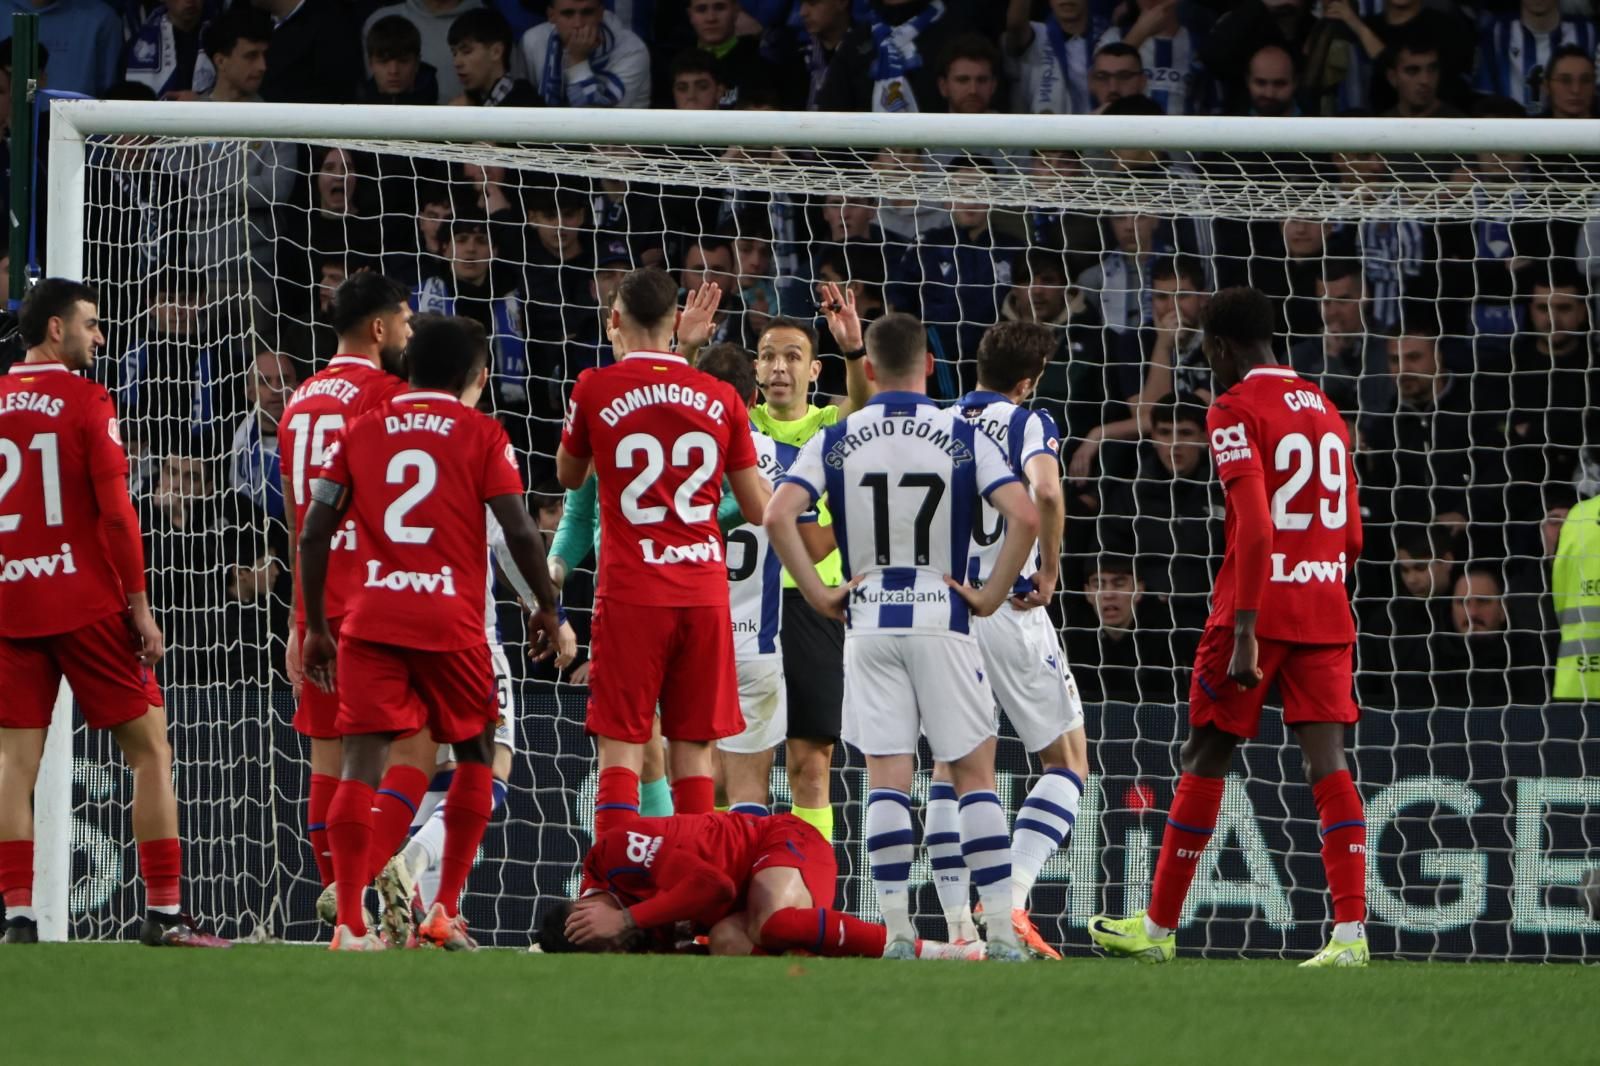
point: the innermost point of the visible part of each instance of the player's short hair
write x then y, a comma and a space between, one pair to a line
445, 351
1012, 351
973, 46
1567, 51
481, 25
394, 37
1241, 315
1183, 269
51, 298
802, 328
897, 344
649, 296
362, 296
695, 61
731, 363
1117, 49
239, 23
1179, 407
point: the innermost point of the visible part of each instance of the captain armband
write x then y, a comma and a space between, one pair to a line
328, 493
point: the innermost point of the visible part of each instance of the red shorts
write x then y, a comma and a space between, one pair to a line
1315, 681
101, 663
317, 713
384, 688
678, 657
789, 842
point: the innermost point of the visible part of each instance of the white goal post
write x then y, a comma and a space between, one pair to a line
1274, 897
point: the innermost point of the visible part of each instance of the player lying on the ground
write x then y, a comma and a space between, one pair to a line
746, 880
409, 883
1277, 437
1021, 648
76, 606
417, 473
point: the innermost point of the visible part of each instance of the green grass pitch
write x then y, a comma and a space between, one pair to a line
91, 1003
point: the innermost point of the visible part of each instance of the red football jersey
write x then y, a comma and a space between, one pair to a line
638, 861
1283, 429
661, 435
316, 414
58, 436
419, 470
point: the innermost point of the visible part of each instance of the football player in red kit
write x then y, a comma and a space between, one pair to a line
660, 435
73, 604
1293, 527
748, 880
373, 321
417, 472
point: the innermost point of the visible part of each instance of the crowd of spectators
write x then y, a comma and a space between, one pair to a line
1460, 348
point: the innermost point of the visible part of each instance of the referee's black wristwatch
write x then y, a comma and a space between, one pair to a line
852, 356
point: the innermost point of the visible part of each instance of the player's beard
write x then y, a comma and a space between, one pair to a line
393, 360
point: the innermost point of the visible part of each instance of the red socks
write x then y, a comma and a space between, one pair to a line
467, 807
161, 866
1344, 844
1190, 824
694, 795
322, 790
822, 932
393, 807
16, 873
616, 800
350, 840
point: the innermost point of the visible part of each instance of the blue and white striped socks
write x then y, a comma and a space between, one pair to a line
941, 835
987, 849
889, 848
1043, 825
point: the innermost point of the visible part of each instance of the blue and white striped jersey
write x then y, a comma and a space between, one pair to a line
1512, 59
1021, 434
755, 574
903, 479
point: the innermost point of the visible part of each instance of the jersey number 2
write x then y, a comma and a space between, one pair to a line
11, 472
394, 517
644, 446
1330, 465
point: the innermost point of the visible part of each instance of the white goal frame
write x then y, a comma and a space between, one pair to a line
72, 122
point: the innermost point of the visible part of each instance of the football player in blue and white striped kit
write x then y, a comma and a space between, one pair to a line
755, 600
903, 479
1027, 668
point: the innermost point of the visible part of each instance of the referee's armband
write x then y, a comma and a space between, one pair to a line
328, 493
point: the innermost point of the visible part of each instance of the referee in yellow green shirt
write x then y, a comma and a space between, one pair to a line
813, 646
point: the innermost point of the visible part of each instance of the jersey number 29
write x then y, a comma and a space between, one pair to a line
1328, 463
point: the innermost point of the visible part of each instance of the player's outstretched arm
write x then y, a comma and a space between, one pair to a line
526, 547
753, 491
782, 524
1022, 529
329, 502
1044, 481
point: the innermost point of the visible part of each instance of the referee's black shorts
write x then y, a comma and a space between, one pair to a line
813, 670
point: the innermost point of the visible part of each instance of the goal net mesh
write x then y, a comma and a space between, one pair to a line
217, 259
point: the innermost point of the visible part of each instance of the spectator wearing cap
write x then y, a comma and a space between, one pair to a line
84, 39
315, 56
433, 19
166, 55
584, 56
394, 56
481, 47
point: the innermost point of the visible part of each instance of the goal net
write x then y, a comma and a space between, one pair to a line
1433, 278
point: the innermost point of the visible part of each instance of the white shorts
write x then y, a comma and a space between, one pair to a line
1032, 682
505, 724
764, 701
897, 686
